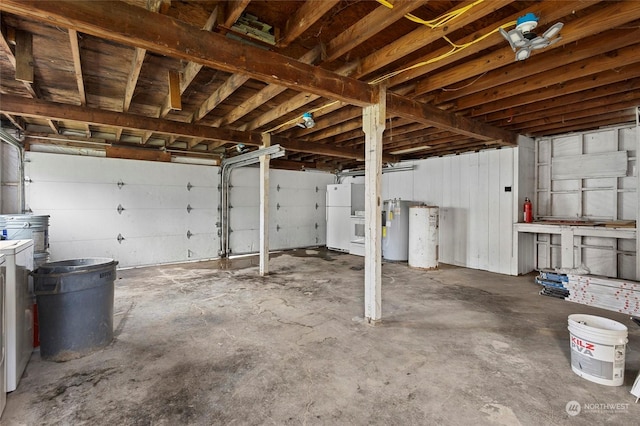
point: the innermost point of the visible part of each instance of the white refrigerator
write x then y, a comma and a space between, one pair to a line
343, 201
338, 216
18, 308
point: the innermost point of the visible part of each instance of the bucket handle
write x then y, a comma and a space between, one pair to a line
48, 285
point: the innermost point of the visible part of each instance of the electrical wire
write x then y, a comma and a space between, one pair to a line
295, 120
435, 23
439, 21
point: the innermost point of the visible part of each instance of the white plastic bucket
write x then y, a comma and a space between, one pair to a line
598, 348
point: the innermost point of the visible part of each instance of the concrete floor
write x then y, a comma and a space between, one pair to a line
197, 344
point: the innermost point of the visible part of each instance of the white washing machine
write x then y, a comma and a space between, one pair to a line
18, 308
3, 383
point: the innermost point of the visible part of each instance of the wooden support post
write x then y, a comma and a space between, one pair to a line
373, 126
264, 207
24, 56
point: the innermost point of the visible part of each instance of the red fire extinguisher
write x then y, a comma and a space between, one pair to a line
528, 211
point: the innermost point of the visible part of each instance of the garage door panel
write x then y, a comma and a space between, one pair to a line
72, 196
82, 196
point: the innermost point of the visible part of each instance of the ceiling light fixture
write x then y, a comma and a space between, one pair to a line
523, 40
307, 121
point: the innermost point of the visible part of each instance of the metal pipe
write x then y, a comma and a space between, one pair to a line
228, 165
6, 137
389, 169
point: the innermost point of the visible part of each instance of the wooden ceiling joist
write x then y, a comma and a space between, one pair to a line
147, 30
307, 15
77, 65
549, 13
594, 65
134, 26
436, 117
55, 111
609, 17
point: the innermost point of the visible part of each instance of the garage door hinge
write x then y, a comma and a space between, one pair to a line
278, 206
120, 184
120, 208
189, 186
120, 238
189, 234
189, 208
317, 206
278, 188
277, 228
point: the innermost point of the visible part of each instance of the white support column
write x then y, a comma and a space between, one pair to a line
373, 121
638, 193
264, 207
566, 247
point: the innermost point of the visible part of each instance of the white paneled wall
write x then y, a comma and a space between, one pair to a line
591, 176
476, 212
296, 209
168, 214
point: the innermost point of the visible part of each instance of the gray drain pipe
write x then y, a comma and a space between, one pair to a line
6, 137
228, 165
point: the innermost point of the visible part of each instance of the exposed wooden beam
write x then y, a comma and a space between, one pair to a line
548, 12
145, 137
137, 153
574, 104
234, 9
620, 104
267, 93
5, 45
24, 56
132, 79
436, 117
589, 48
56, 111
611, 16
32, 88
589, 123
192, 69
553, 95
54, 126
135, 26
77, 65
583, 68
175, 101
18, 122
424, 35
307, 14
368, 26
223, 92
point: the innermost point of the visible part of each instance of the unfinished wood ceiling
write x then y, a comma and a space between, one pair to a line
205, 78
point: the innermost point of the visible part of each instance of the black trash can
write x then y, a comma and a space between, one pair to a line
75, 306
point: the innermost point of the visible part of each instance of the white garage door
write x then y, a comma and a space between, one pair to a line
138, 212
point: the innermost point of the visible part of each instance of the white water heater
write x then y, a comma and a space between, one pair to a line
395, 230
423, 237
